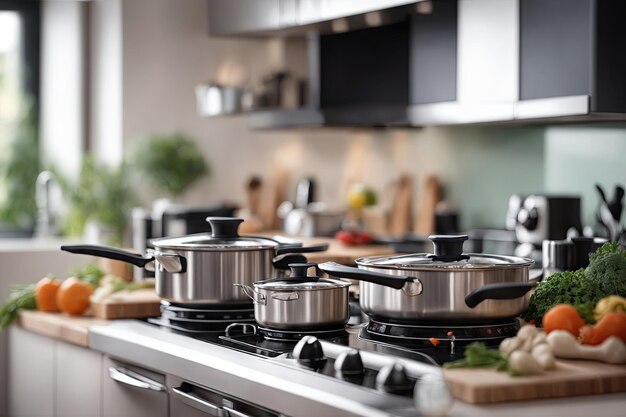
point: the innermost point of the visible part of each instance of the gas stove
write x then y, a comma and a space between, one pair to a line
373, 368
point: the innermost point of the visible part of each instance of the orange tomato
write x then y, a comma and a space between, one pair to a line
563, 317
612, 324
73, 296
46, 294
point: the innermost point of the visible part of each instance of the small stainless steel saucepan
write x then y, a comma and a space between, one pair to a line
304, 302
202, 268
452, 285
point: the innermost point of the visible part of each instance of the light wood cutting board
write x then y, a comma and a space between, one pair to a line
128, 305
570, 378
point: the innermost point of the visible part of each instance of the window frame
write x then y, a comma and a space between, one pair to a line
30, 13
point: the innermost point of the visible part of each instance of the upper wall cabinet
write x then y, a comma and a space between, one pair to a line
572, 58
265, 17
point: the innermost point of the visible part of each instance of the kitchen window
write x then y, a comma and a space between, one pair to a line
19, 93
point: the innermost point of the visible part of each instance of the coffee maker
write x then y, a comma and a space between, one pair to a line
539, 217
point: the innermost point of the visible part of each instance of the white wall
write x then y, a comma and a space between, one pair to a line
167, 51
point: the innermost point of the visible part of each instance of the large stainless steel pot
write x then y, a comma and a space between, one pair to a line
454, 286
202, 268
299, 302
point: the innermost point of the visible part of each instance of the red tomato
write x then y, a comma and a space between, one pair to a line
363, 238
345, 237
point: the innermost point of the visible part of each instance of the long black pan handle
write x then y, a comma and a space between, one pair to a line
342, 271
500, 291
301, 249
108, 252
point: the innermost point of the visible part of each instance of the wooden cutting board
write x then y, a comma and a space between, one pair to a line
128, 305
570, 378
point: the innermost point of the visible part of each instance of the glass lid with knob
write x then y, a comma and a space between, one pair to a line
300, 280
224, 235
447, 254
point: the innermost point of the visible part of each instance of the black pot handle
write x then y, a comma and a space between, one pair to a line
224, 227
342, 271
301, 249
109, 253
282, 262
500, 291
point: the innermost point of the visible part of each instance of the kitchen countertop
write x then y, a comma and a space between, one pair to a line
337, 252
76, 330
71, 329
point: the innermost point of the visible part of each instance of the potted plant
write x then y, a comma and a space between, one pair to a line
100, 200
170, 163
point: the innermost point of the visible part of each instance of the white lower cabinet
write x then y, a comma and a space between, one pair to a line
78, 381
51, 378
130, 391
31, 374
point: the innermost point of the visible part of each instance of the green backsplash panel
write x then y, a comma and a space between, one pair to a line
577, 157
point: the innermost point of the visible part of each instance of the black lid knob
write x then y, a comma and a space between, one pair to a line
224, 227
448, 248
393, 379
349, 363
301, 270
308, 351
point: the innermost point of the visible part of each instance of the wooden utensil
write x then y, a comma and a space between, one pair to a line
429, 196
274, 194
401, 207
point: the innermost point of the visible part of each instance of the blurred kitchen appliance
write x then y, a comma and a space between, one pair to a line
568, 254
540, 217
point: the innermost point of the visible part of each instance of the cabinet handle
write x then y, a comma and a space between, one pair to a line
128, 377
235, 413
199, 403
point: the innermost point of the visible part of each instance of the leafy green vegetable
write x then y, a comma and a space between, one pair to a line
477, 355
607, 269
605, 275
90, 273
170, 162
22, 297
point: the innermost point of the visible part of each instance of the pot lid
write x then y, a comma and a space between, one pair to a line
299, 280
448, 254
224, 236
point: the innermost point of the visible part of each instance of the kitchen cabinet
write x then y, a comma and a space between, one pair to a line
228, 17
128, 390
263, 17
31, 374
78, 380
571, 58
52, 378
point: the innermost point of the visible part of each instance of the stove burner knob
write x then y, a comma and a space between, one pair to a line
349, 363
394, 380
308, 351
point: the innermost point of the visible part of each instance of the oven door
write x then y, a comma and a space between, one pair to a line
191, 400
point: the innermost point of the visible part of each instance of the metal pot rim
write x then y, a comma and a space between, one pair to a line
512, 262
335, 284
191, 242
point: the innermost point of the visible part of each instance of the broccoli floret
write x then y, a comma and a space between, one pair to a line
607, 269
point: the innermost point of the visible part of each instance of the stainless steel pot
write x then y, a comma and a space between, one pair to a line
299, 302
202, 268
452, 285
